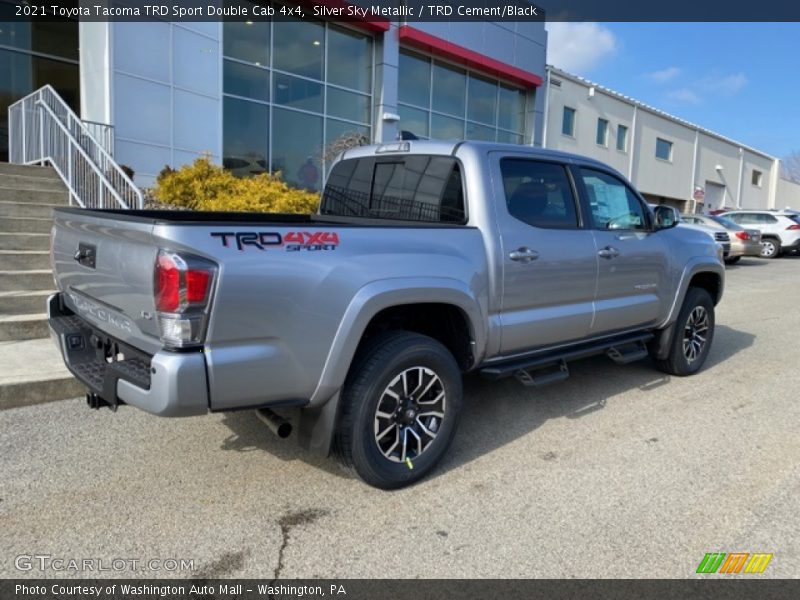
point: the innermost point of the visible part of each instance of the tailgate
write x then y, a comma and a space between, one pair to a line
104, 264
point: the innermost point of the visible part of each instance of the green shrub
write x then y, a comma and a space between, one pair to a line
206, 186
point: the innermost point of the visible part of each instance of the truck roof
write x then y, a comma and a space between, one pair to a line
451, 147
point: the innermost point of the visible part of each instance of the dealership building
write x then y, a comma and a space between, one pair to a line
671, 161
265, 95
272, 96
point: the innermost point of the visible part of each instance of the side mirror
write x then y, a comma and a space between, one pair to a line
666, 217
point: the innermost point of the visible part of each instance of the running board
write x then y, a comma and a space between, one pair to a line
621, 349
627, 353
543, 375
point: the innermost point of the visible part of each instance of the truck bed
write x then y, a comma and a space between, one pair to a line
198, 217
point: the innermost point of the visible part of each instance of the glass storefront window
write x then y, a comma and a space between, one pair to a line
480, 132
247, 81
482, 100
355, 72
348, 105
295, 149
449, 90
298, 93
511, 113
321, 89
57, 38
446, 128
245, 137
335, 130
414, 85
465, 105
299, 48
247, 40
413, 121
22, 73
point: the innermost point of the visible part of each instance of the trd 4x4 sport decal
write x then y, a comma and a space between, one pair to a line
292, 241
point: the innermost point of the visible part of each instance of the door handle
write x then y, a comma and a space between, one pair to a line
608, 252
523, 255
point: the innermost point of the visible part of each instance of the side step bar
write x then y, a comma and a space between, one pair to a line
622, 350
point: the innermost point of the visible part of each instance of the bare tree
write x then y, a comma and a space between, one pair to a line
351, 139
790, 166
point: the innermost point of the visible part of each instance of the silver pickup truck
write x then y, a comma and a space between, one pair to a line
352, 327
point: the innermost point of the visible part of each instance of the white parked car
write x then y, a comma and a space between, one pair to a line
780, 229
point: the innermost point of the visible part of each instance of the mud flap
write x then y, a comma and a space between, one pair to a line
660, 345
316, 427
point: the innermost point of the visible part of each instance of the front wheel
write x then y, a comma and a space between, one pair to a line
694, 332
400, 407
770, 248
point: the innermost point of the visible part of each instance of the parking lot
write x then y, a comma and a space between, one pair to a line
618, 472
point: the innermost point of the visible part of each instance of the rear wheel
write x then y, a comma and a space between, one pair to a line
770, 248
694, 332
400, 407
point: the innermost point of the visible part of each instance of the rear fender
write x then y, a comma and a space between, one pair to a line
379, 295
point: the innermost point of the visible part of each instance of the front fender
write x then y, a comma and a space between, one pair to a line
696, 265
379, 295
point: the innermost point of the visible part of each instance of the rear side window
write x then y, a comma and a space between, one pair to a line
403, 188
539, 193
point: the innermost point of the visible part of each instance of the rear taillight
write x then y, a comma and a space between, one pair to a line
182, 289
794, 227
742, 235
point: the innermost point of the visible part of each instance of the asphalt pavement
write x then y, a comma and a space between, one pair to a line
620, 471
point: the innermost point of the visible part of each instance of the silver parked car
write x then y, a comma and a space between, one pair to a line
780, 229
743, 242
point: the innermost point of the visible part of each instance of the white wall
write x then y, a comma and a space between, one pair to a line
166, 94
673, 180
788, 194
588, 111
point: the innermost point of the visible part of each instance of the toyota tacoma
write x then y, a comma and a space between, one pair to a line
351, 328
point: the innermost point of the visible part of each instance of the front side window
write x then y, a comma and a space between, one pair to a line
663, 149
539, 193
613, 203
568, 122
602, 132
402, 188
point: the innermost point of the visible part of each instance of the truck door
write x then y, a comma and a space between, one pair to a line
632, 283
549, 263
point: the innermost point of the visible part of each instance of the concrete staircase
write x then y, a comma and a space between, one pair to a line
31, 369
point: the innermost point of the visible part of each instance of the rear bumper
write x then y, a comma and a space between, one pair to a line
168, 384
745, 248
792, 245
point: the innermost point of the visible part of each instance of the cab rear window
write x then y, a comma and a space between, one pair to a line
403, 188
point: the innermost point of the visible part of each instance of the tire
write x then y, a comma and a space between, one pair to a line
770, 248
733, 260
374, 378
688, 327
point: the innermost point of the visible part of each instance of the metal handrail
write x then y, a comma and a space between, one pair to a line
42, 128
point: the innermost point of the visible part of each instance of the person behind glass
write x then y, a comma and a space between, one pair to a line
308, 174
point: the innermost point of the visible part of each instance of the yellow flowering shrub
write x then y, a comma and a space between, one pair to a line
206, 186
